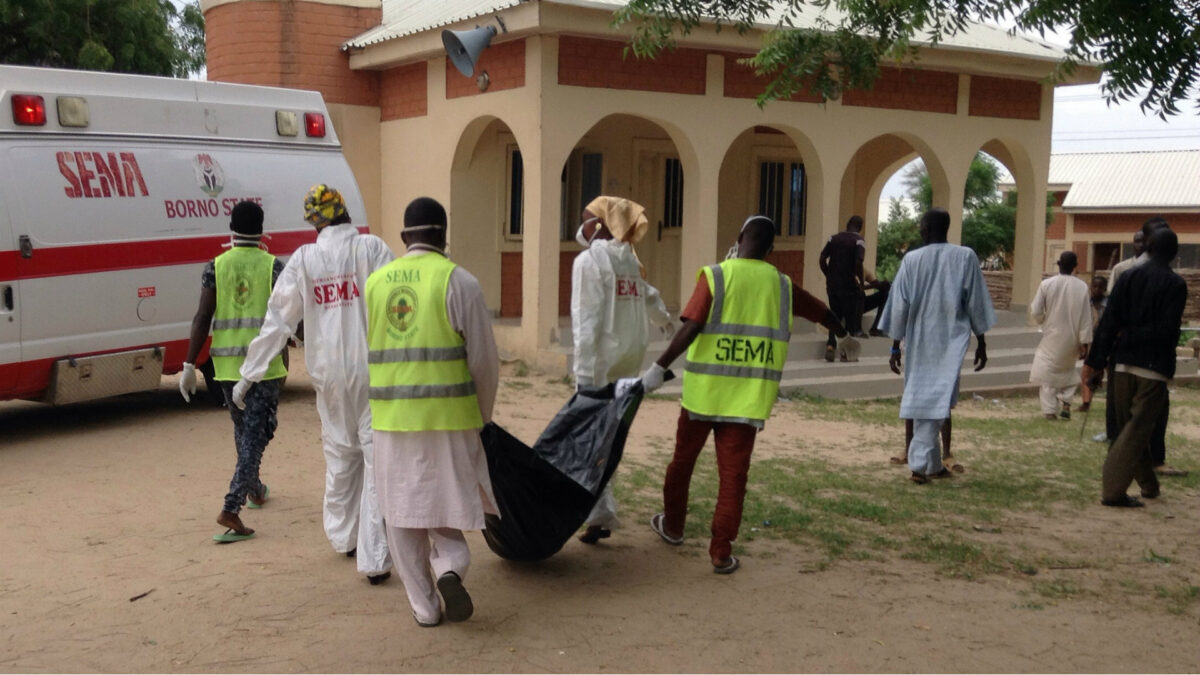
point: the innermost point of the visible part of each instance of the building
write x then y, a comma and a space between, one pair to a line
1102, 198
558, 114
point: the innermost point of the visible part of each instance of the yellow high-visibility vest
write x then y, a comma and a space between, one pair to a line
736, 362
243, 288
416, 360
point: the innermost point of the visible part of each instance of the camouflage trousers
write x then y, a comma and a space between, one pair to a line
253, 428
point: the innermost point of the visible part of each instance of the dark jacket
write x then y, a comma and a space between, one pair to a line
1140, 325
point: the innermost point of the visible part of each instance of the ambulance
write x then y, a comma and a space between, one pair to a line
115, 190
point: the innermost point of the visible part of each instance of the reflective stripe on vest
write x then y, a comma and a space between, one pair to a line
736, 362
244, 276
416, 360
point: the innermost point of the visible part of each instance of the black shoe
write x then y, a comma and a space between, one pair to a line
458, 601
859, 335
1126, 502
875, 332
352, 553
377, 579
829, 354
594, 533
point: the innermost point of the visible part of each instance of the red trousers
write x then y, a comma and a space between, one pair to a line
734, 443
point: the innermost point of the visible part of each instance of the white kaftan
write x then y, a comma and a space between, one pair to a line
1062, 307
937, 300
439, 479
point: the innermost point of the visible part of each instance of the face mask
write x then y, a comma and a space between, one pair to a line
581, 238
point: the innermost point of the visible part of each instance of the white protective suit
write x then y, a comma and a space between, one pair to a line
323, 284
610, 307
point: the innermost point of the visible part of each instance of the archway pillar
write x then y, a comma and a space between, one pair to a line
1030, 242
824, 222
543, 149
699, 245
949, 191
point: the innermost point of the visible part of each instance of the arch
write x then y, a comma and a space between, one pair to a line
1028, 259
869, 169
773, 170
480, 197
634, 156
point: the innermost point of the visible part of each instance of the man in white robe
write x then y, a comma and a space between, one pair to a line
937, 300
1062, 307
1138, 257
433, 484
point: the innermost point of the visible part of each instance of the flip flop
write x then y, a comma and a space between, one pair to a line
957, 468
732, 567
656, 524
263, 500
898, 460
918, 478
944, 473
230, 536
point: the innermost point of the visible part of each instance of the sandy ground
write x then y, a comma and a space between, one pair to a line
111, 500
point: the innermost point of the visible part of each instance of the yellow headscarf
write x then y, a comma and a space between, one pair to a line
626, 219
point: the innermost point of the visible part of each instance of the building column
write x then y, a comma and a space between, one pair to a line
698, 242
949, 191
824, 221
1029, 245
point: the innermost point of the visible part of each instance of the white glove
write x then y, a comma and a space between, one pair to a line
653, 377
187, 381
239, 393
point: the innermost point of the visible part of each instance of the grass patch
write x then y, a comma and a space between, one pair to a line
1179, 598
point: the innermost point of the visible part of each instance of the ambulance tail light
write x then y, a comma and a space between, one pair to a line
29, 110
314, 125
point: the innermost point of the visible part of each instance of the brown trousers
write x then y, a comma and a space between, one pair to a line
734, 443
1138, 403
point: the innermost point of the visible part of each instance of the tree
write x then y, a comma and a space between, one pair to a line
150, 37
989, 222
1148, 49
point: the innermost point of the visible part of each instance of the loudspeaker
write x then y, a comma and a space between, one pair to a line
465, 46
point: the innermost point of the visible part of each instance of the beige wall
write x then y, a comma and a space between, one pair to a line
848, 151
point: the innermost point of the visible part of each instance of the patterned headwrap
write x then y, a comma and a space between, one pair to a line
323, 205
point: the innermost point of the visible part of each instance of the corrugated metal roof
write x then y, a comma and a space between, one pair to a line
1120, 180
407, 17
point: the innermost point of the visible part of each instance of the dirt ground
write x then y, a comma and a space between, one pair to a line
109, 565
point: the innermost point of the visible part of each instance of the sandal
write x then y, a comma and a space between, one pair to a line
254, 501
918, 478
1124, 502
656, 524
730, 566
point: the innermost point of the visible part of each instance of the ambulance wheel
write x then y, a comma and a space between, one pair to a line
212, 387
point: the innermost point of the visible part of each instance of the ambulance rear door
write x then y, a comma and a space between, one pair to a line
10, 309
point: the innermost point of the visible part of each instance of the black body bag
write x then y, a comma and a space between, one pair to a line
546, 492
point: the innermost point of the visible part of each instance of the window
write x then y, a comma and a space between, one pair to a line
516, 191
782, 190
672, 193
582, 181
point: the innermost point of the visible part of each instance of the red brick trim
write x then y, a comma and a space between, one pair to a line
588, 62
908, 89
1125, 224
742, 82
1005, 97
510, 284
505, 66
403, 92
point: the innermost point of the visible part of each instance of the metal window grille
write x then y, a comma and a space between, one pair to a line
770, 192
797, 201
516, 209
673, 194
